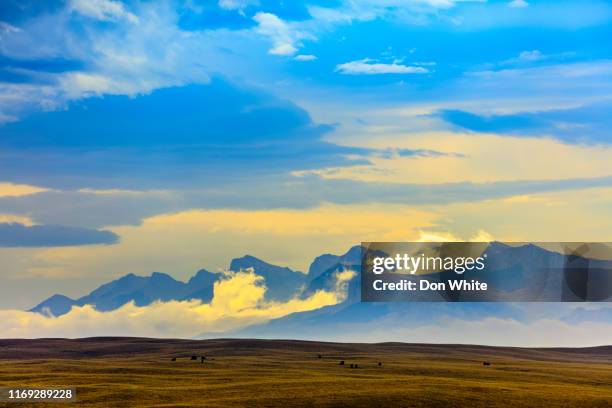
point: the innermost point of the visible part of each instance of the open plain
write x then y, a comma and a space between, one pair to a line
140, 372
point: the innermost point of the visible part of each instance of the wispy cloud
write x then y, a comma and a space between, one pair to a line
518, 4
14, 235
368, 66
305, 57
18, 190
367, 10
588, 124
285, 39
476, 158
237, 4
8, 28
534, 55
105, 10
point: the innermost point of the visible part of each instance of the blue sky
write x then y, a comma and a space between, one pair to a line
265, 85
349, 120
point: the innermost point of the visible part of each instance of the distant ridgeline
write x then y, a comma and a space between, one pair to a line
282, 284
488, 272
512, 272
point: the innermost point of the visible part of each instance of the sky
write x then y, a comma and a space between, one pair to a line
140, 136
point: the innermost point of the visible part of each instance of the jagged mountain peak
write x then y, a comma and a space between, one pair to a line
323, 263
55, 305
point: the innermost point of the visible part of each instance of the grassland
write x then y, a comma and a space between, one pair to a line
128, 372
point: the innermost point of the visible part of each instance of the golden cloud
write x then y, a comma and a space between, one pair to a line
238, 302
184, 242
17, 190
477, 158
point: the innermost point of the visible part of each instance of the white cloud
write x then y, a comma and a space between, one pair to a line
236, 4
368, 66
121, 58
130, 59
531, 56
537, 55
283, 49
366, 10
105, 10
238, 302
285, 38
8, 28
78, 83
534, 55
518, 4
304, 57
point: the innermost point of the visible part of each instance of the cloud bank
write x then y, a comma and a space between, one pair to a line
238, 302
368, 66
19, 235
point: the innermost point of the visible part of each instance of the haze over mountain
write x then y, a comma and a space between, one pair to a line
142, 290
511, 272
282, 283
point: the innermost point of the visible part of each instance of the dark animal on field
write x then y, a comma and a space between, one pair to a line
194, 357
173, 358
352, 365
202, 359
342, 362
486, 363
319, 356
379, 364
356, 365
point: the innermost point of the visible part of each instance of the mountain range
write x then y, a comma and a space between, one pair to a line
282, 284
511, 272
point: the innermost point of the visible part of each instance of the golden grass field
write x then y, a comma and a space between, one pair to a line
131, 372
